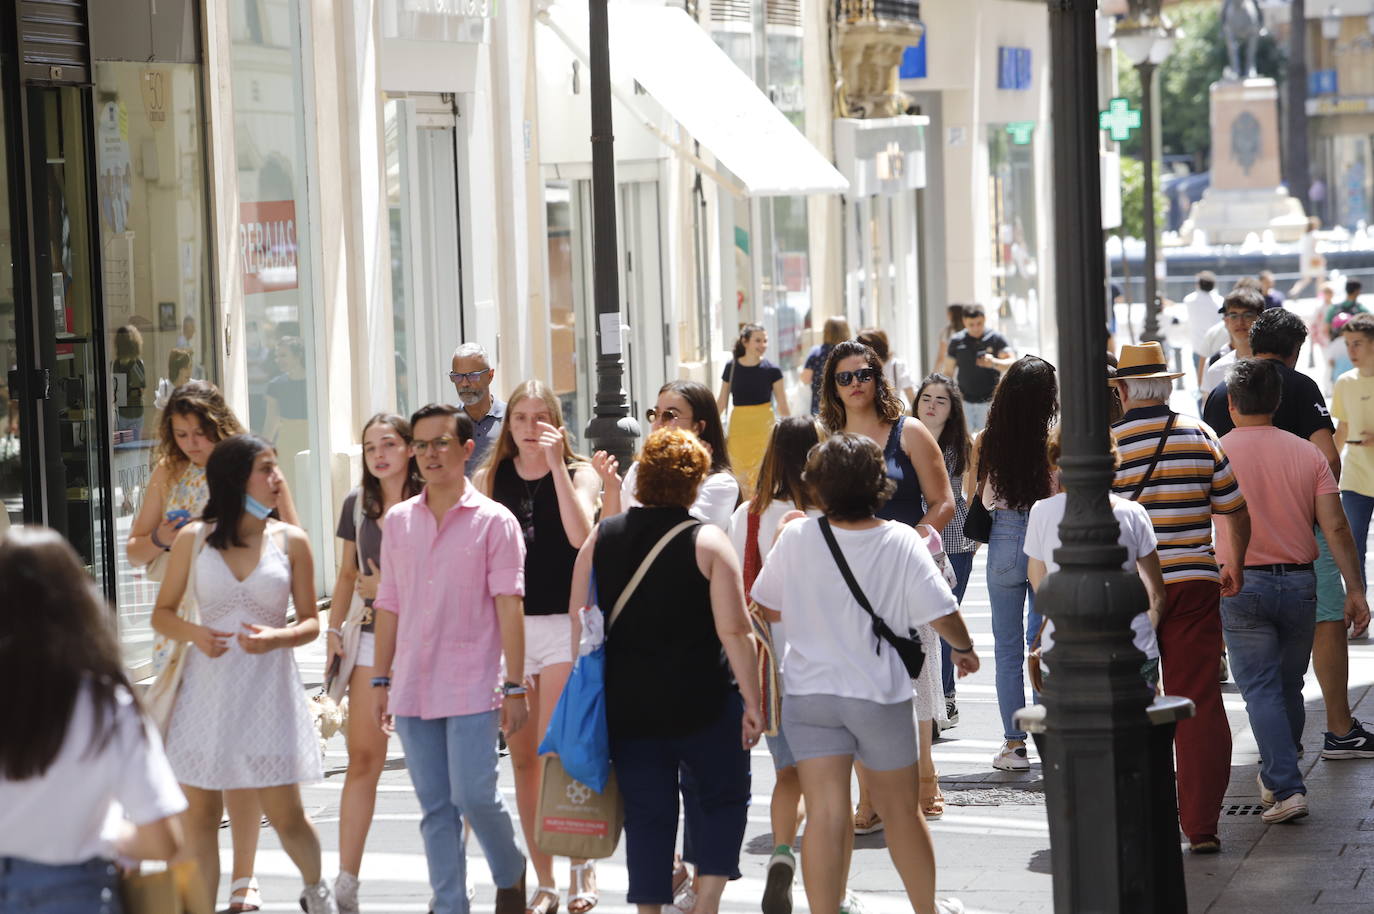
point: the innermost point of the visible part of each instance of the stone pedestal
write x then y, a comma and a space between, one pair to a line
1245, 195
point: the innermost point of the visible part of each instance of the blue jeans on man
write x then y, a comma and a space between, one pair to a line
453, 765
1268, 628
976, 415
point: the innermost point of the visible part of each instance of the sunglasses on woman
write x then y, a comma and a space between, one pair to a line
667, 415
863, 376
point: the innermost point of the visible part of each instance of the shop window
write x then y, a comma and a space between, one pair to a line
154, 256
1016, 273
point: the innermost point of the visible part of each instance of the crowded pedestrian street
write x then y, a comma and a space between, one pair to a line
992, 844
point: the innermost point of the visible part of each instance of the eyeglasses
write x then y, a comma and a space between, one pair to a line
1243, 316
863, 376
653, 414
440, 444
472, 377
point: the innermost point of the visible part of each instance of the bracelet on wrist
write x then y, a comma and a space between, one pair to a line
381, 682
333, 631
511, 693
962, 650
159, 543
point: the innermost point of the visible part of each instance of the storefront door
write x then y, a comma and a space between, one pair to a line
53, 465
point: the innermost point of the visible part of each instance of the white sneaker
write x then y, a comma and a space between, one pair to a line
1266, 795
318, 899
949, 906
1011, 758
1294, 807
851, 904
346, 893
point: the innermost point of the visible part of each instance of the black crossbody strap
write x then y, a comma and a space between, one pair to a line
1154, 461
849, 576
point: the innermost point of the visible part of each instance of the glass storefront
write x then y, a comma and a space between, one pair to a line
1012, 221
154, 256
275, 242
1345, 164
11, 438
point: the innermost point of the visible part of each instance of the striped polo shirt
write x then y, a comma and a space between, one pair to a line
1192, 481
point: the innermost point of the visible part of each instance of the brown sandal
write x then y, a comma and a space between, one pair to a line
933, 806
681, 875
867, 824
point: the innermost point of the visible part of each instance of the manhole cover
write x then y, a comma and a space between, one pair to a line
994, 796
1247, 809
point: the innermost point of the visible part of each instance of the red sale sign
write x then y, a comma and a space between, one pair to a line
267, 245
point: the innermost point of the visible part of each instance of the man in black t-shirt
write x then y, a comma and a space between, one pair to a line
976, 358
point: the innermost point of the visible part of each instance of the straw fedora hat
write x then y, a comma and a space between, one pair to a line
1139, 363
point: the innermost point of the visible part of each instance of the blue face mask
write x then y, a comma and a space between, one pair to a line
255, 507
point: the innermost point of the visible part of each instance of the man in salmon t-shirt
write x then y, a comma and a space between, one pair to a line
1268, 626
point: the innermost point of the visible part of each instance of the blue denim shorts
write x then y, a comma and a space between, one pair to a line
72, 888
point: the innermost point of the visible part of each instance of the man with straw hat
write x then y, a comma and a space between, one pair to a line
1174, 466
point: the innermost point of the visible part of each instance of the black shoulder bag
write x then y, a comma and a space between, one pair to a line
978, 520
907, 648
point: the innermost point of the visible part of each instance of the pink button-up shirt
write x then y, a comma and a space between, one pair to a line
440, 580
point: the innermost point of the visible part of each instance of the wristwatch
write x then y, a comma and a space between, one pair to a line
512, 688
381, 682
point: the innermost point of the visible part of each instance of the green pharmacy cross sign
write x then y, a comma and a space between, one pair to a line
1021, 132
1119, 119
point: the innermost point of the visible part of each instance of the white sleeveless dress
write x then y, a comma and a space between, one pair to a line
241, 720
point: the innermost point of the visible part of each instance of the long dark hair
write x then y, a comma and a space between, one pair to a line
372, 486
780, 474
885, 400
742, 340
954, 436
56, 638
705, 411
1012, 450
226, 474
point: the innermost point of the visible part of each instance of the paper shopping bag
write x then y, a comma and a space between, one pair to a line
573, 820
175, 890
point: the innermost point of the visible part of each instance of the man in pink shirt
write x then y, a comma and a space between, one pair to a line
1269, 625
451, 595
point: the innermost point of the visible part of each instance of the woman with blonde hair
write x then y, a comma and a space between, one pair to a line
532, 470
836, 332
390, 476
753, 384
194, 420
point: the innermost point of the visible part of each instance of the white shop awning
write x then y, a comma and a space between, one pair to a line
675, 61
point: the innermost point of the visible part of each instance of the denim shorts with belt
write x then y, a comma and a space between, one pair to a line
27, 887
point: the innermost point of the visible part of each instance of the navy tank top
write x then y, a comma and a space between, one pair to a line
905, 503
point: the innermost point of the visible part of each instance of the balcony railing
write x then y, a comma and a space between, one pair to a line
853, 12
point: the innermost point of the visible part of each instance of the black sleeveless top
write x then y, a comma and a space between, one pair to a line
666, 673
549, 557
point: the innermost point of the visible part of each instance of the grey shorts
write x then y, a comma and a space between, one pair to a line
883, 737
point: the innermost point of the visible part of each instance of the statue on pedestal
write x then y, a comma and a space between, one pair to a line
1242, 23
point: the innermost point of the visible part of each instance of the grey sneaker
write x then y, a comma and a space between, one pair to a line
777, 887
346, 893
318, 899
1294, 807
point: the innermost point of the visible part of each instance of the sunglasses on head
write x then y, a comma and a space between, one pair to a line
863, 376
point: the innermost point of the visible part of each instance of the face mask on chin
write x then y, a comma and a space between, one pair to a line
256, 508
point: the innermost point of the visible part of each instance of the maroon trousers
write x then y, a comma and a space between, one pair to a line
1190, 647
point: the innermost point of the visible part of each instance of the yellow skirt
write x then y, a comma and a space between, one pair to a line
750, 429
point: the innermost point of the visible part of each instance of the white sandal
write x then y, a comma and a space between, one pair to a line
251, 899
577, 888
543, 891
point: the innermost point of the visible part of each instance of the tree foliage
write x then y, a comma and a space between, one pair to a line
1185, 78
1133, 199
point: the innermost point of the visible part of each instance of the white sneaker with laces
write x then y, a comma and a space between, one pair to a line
346, 893
1286, 810
318, 899
1266, 795
1011, 758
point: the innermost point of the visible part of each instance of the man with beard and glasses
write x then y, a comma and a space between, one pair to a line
472, 375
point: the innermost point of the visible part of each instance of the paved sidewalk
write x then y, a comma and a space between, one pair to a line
992, 845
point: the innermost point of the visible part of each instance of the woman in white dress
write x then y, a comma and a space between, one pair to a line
240, 721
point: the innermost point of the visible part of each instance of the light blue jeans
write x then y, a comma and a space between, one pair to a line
1014, 619
976, 415
74, 888
1358, 510
452, 763
1268, 628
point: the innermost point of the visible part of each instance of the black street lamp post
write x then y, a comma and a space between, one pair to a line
612, 428
1147, 70
1100, 754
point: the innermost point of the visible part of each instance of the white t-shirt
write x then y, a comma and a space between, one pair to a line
1216, 372
1217, 339
899, 376
716, 497
1202, 316
830, 644
72, 811
768, 525
1137, 535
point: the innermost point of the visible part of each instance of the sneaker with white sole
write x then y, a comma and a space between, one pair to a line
1286, 810
346, 893
1266, 795
777, 886
851, 904
1011, 758
319, 899
1358, 743
949, 906
685, 901
951, 715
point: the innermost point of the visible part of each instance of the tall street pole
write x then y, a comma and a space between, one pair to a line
1147, 156
1096, 747
612, 428
1297, 169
